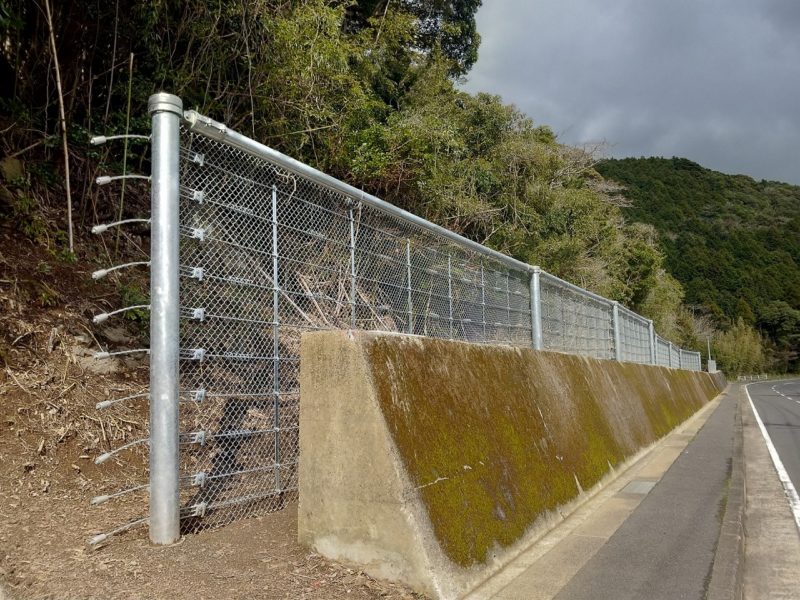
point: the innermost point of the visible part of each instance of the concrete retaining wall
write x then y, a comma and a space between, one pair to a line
434, 462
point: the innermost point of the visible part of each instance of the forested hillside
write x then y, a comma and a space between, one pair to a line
731, 241
364, 90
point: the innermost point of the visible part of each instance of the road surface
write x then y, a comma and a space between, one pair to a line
665, 549
778, 405
684, 537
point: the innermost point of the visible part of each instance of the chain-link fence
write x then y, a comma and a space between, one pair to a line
574, 320
269, 248
663, 353
266, 254
636, 337
675, 357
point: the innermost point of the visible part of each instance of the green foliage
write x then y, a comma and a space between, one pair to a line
732, 242
444, 25
28, 218
663, 304
46, 295
363, 89
61, 251
64, 255
740, 350
131, 294
782, 323
744, 312
485, 170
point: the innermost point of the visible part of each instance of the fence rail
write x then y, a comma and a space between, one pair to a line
268, 248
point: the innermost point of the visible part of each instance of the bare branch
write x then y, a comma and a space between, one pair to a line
63, 120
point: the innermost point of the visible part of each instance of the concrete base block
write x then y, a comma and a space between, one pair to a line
435, 463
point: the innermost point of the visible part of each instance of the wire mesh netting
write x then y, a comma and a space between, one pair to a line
267, 253
635, 333
662, 352
575, 322
675, 357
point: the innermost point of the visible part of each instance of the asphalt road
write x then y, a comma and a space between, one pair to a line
665, 549
778, 405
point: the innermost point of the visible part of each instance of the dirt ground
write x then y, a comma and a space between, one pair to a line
50, 433
45, 556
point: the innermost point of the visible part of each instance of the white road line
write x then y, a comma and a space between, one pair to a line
788, 488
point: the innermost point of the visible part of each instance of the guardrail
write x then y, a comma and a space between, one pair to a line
752, 377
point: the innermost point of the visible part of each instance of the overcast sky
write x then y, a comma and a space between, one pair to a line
715, 81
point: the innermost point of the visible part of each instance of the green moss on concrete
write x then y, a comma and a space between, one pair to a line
493, 437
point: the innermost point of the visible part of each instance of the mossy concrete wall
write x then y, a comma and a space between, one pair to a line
430, 462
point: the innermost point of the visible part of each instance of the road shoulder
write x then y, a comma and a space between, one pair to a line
772, 540
727, 572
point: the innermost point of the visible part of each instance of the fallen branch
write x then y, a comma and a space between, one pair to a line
22, 387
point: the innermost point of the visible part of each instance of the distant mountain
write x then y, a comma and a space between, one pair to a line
733, 242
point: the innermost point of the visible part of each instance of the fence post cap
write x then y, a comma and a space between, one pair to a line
164, 102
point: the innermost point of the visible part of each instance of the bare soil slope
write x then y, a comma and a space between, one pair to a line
50, 433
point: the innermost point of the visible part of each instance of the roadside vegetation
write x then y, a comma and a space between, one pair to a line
734, 245
365, 90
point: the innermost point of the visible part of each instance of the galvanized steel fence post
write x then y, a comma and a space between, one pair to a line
653, 354
670, 356
483, 302
408, 288
450, 293
536, 309
276, 365
166, 112
352, 268
616, 330
508, 299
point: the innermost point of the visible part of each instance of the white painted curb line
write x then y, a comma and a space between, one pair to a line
788, 488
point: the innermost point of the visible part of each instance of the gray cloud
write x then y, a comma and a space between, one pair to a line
716, 81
